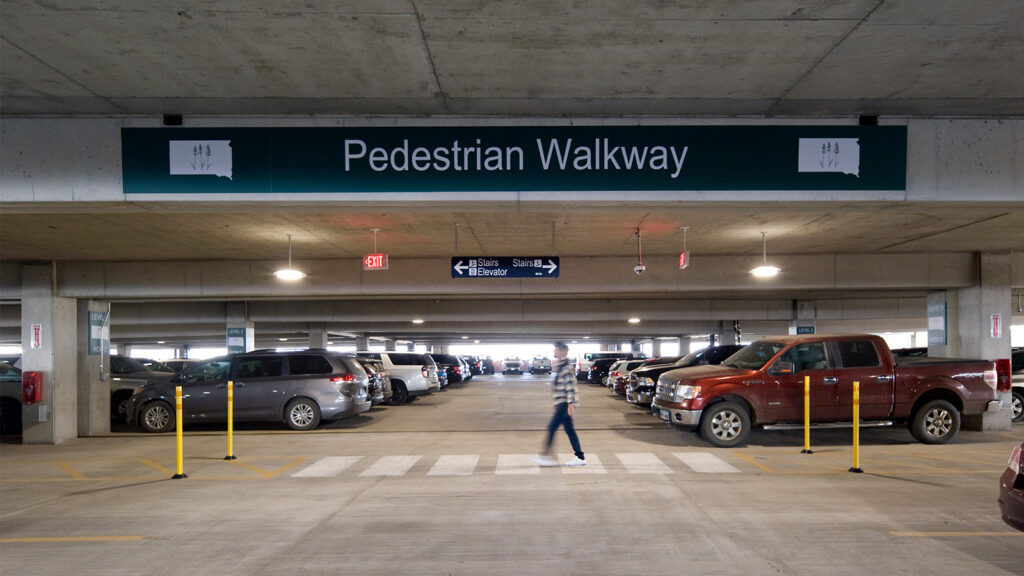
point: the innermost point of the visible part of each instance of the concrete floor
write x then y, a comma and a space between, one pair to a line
443, 486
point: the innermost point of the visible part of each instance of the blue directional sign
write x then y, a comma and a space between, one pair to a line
505, 267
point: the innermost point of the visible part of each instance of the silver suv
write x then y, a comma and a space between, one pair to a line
299, 388
411, 374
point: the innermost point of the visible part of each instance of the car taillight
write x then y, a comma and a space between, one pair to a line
1004, 374
345, 378
991, 378
1016, 462
616, 374
426, 371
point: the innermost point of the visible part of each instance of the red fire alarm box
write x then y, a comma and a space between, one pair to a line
31, 387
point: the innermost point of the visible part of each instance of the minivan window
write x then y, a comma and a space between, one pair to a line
313, 364
259, 367
211, 370
857, 353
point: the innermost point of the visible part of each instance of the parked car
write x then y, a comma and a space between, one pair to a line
10, 395
128, 375
452, 365
179, 364
642, 381
299, 388
467, 372
618, 375
1011, 489
583, 361
540, 365
763, 384
1017, 386
599, 370
475, 367
378, 381
486, 365
411, 374
511, 366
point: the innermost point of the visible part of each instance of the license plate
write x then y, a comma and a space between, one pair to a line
664, 415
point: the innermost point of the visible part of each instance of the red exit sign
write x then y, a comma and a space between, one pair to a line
375, 262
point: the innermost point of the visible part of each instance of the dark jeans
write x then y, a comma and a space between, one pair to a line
561, 418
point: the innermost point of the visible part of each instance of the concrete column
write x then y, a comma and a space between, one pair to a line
684, 345
93, 370
362, 343
655, 348
389, 345
240, 332
49, 335
978, 326
317, 336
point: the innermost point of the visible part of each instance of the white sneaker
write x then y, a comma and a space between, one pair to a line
545, 461
576, 462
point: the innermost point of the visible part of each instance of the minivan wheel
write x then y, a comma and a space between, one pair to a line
1017, 404
399, 393
157, 417
302, 414
937, 422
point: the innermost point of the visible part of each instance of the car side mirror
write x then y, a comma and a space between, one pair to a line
784, 368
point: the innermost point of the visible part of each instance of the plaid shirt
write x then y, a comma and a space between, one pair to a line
564, 385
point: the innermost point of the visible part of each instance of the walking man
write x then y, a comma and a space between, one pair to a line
564, 389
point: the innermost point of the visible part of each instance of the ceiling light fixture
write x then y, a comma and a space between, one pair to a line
290, 274
417, 320
764, 270
634, 320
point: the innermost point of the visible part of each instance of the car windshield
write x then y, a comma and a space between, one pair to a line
209, 371
755, 356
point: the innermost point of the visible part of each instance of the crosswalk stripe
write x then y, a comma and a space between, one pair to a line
643, 463
594, 465
454, 465
705, 462
391, 466
516, 464
329, 466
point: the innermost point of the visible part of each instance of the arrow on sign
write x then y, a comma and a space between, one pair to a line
459, 267
551, 267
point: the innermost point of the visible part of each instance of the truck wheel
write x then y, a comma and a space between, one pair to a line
399, 393
302, 414
937, 422
1017, 405
157, 417
725, 424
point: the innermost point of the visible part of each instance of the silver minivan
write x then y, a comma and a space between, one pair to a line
300, 388
412, 374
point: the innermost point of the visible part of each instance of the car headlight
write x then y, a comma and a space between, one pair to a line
644, 381
686, 392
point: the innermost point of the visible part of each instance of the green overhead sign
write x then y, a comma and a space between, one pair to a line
512, 158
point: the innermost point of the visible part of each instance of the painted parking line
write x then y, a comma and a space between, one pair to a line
28, 540
705, 463
957, 534
391, 466
516, 464
455, 465
594, 465
329, 466
643, 463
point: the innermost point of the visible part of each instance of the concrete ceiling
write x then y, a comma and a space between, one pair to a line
531, 58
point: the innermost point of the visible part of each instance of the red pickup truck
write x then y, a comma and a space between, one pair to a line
763, 384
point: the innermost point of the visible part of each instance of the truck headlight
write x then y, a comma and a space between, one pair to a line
644, 381
685, 392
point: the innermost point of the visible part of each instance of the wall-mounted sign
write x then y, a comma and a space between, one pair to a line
375, 262
99, 332
997, 327
505, 267
339, 160
937, 323
36, 336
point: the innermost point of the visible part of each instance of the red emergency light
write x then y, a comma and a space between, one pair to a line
684, 259
375, 262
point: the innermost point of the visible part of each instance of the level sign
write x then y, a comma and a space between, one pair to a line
375, 262
505, 267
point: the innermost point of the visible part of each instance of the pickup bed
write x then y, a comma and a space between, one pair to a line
763, 384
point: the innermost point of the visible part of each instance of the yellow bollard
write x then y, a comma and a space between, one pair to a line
231, 421
856, 428
807, 416
179, 435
